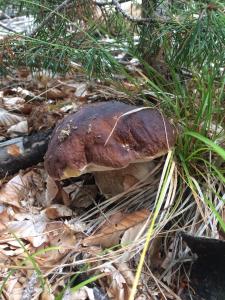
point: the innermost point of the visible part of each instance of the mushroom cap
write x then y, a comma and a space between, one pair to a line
106, 136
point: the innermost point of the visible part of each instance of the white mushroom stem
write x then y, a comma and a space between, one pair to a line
114, 182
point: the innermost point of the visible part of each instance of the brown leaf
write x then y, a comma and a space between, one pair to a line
4, 215
13, 103
18, 129
8, 119
31, 228
14, 288
54, 93
120, 282
42, 118
117, 288
13, 192
111, 230
56, 211
127, 273
51, 191
61, 236
46, 295
26, 109
130, 234
20, 188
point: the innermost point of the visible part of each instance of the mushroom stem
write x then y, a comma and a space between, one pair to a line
114, 182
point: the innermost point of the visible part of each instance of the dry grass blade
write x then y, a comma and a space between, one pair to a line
111, 230
123, 115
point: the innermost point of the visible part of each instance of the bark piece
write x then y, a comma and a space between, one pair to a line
22, 152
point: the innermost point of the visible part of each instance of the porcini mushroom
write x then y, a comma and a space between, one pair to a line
113, 140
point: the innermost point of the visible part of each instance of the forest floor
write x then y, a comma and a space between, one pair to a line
57, 239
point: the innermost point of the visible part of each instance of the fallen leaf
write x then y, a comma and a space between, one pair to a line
18, 129
41, 118
76, 225
117, 288
27, 95
81, 90
13, 103
130, 234
14, 289
26, 109
13, 191
58, 235
51, 191
31, 230
7, 250
4, 216
7, 119
21, 190
54, 93
111, 230
56, 211
127, 273
46, 295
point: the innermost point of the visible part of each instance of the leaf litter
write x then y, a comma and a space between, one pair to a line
35, 222
56, 236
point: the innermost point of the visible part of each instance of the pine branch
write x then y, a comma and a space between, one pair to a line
59, 8
188, 38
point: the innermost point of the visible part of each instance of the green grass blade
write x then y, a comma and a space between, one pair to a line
85, 282
217, 149
163, 186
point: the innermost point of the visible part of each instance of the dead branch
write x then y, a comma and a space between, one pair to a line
7, 28
101, 3
129, 17
22, 152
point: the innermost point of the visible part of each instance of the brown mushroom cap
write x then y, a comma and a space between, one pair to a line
104, 136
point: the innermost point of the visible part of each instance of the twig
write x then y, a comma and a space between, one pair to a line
101, 3
3, 16
125, 114
7, 28
129, 17
116, 3
50, 15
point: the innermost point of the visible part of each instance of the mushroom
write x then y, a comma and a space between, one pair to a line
115, 141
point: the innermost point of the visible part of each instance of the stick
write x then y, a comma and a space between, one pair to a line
22, 152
